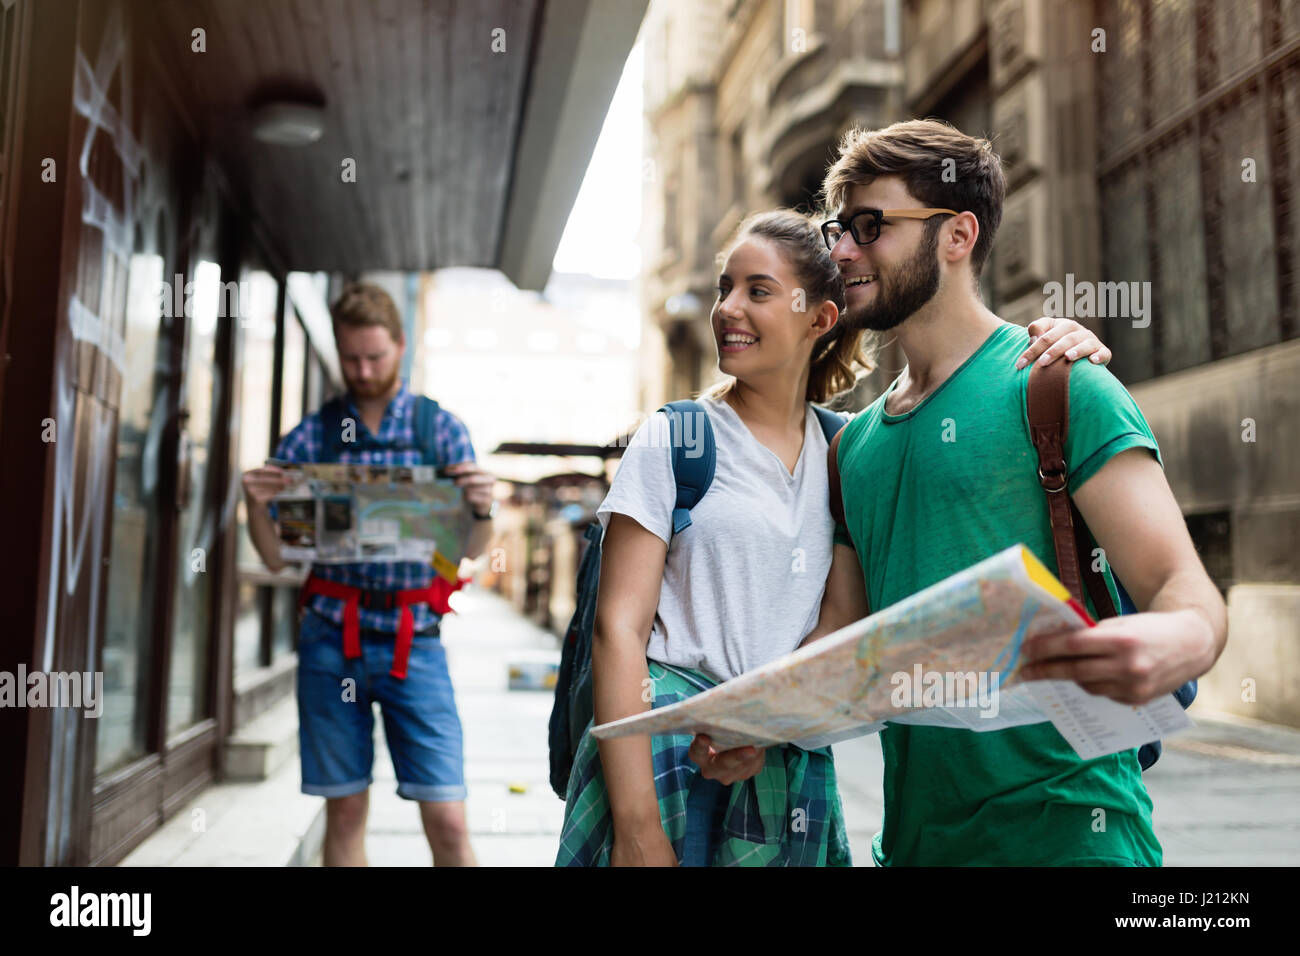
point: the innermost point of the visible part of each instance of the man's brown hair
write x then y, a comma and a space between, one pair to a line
919, 152
364, 303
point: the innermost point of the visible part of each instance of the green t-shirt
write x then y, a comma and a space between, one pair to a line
928, 494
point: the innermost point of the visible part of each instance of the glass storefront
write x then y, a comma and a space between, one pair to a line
197, 502
255, 403
132, 566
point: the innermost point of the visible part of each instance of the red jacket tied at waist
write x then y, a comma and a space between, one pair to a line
435, 595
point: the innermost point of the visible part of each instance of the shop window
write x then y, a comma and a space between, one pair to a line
187, 690
295, 365
121, 733
1212, 534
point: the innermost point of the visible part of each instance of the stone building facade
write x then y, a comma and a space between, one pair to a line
1150, 150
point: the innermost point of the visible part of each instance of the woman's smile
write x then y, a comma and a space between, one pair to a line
736, 340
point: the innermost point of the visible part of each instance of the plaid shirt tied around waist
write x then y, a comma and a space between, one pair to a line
760, 826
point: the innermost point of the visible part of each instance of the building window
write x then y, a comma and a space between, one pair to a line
266, 616
1199, 108
132, 569
671, 238
295, 367
188, 687
1212, 535
255, 405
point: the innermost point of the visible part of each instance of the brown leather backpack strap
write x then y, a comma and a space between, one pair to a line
1093, 580
1048, 407
833, 472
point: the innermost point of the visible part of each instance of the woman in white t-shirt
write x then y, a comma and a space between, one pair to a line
738, 588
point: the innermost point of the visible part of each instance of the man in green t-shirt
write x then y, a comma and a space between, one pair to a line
940, 473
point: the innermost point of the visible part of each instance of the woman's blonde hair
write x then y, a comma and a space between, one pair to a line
837, 356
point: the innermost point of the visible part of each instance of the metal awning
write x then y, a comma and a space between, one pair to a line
469, 124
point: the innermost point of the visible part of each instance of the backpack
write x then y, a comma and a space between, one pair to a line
1048, 410
573, 709
334, 411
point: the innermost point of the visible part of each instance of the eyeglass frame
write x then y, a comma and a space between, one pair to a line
878, 217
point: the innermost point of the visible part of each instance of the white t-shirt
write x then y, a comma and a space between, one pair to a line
743, 584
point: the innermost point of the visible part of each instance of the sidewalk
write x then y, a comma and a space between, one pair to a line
1224, 790
1224, 793
505, 744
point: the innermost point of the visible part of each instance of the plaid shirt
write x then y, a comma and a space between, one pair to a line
306, 444
760, 827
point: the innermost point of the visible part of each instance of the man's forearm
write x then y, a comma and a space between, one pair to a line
1192, 593
266, 537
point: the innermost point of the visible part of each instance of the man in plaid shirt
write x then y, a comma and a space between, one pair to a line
348, 655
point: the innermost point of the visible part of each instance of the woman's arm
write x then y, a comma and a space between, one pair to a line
631, 575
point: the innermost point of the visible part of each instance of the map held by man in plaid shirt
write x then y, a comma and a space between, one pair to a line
342, 513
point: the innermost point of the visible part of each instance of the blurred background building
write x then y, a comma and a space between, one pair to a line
545, 373
1144, 142
184, 186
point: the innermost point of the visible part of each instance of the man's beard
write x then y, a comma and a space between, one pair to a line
375, 389
912, 285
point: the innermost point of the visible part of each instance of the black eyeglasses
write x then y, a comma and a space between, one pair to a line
864, 225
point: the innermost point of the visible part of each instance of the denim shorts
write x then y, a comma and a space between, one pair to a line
336, 716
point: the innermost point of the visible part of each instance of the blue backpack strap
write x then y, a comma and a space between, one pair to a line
426, 419
331, 423
692, 466
830, 421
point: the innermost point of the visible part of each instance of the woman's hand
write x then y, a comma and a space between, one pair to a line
726, 766
642, 846
1051, 339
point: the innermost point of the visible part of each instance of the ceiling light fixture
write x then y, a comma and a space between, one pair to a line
285, 123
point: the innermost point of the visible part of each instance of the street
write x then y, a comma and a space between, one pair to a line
1224, 793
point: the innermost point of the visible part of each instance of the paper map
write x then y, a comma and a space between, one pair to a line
337, 514
945, 657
